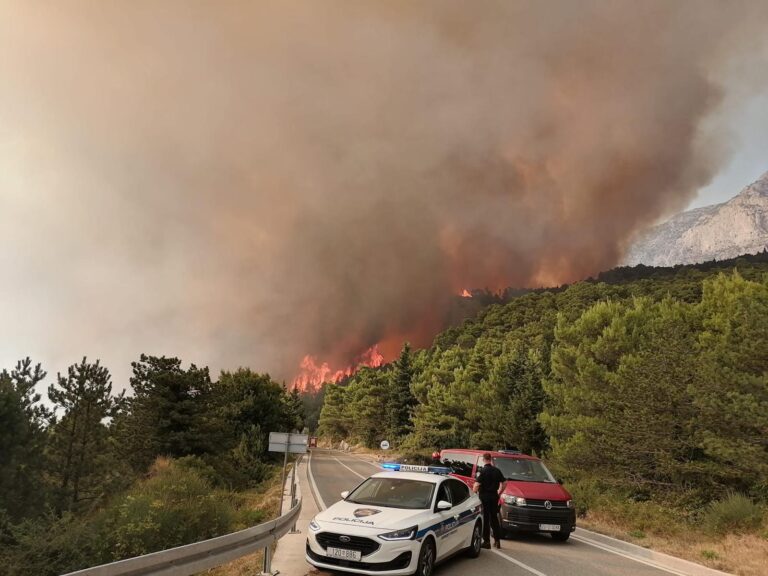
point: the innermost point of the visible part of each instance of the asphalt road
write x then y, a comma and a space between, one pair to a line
333, 472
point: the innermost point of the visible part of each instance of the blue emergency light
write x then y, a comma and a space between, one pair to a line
396, 467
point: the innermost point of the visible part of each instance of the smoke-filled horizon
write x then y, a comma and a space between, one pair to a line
245, 183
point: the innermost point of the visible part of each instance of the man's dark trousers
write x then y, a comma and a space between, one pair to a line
490, 516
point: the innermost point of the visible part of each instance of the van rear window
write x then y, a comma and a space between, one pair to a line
458, 462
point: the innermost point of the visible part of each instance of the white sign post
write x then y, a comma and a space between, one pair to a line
287, 442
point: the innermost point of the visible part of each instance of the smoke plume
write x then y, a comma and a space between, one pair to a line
244, 183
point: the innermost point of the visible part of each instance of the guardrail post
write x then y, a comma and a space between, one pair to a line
293, 496
267, 568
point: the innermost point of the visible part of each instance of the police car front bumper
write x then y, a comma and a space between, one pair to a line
394, 558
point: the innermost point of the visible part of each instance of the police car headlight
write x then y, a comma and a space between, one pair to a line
405, 534
314, 526
569, 503
513, 500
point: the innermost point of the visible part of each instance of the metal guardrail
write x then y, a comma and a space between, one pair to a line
193, 558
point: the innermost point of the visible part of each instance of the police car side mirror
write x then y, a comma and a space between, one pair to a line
444, 505
344, 494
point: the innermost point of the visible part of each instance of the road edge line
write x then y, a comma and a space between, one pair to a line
313, 487
659, 560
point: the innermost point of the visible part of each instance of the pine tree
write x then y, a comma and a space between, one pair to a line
333, 422
731, 385
22, 439
79, 438
244, 398
507, 404
168, 413
401, 401
369, 394
619, 403
295, 410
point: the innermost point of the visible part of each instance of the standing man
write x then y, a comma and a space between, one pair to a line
489, 485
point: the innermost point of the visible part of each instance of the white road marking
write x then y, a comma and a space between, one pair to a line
348, 468
378, 467
618, 553
318, 498
514, 561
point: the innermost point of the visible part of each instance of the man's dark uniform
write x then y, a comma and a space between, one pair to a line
490, 478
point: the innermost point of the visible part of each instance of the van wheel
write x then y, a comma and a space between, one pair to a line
426, 564
560, 536
473, 551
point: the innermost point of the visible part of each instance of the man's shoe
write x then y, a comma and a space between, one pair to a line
496, 543
486, 545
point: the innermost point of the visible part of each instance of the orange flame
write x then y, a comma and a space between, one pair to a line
466, 293
313, 374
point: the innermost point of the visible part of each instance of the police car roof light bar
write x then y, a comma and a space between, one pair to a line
396, 467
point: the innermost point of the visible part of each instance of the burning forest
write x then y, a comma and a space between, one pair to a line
304, 186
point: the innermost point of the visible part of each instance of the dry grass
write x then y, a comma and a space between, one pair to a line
741, 554
259, 499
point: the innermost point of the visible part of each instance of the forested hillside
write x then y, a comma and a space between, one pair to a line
649, 381
94, 476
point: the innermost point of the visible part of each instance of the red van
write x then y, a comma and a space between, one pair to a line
533, 500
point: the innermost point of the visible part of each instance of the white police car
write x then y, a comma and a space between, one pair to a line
402, 521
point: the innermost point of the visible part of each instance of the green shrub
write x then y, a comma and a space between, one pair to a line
648, 517
200, 466
177, 506
248, 518
50, 545
587, 495
734, 513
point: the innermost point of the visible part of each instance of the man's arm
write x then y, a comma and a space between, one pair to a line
476, 485
502, 484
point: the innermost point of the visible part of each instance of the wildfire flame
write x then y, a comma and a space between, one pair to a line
466, 293
313, 373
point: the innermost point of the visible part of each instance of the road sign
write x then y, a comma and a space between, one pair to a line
287, 442
384, 445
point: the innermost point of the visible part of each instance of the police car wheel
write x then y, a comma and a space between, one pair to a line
426, 563
477, 539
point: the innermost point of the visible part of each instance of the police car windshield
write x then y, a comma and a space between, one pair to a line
393, 493
523, 470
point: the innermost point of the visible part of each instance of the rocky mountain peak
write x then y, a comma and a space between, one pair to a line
757, 190
717, 232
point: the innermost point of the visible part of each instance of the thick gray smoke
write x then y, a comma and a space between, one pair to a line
249, 182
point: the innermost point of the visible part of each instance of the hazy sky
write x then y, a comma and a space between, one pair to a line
749, 158
249, 182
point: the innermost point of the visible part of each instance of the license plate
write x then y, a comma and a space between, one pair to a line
550, 527
343, 554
